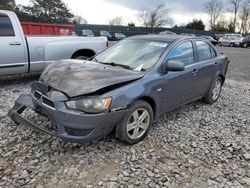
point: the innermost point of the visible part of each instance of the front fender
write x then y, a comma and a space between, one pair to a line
147, 87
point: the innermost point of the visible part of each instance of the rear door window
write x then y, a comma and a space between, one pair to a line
204, 50
6, 28
184, 52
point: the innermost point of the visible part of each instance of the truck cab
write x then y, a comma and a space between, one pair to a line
14, 52
22, 54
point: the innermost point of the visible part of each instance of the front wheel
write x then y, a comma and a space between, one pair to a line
214, 92
137, 122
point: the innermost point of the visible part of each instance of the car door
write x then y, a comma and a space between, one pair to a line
13, 57
208, 63
227, 41
178, 87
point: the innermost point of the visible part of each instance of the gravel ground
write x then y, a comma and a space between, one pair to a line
197, 145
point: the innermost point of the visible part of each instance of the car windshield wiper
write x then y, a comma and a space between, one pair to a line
115, 64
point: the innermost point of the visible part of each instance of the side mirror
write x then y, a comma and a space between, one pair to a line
174, 66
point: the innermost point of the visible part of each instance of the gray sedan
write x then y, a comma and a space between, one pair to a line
124, 88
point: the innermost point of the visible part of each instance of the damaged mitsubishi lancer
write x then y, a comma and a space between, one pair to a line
123, 88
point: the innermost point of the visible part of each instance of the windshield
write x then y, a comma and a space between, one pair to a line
238, 36
137, 54
208, 37
104, 32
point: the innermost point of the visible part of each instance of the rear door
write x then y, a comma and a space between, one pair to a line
179, 87
13, 55
226, 41
208, 63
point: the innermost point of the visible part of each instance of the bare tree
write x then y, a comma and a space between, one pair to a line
155, 17
214, 9
235, 6
244, 16
79, 20
116, 21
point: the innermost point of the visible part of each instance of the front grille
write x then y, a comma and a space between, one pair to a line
48, 102
41, 119
37, 95
78, 132
44, 99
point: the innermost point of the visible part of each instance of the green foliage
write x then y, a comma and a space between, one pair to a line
47, 11
195, 24
131, 24
7, 5
221, 26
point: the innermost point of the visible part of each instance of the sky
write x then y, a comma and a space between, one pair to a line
101, 11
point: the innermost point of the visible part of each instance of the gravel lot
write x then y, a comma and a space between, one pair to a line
197, 145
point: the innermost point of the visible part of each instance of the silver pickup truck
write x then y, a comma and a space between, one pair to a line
20, 54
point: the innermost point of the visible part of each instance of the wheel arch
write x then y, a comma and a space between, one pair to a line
222, 78
83, 52
151, 102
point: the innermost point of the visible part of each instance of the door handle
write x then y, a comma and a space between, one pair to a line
16, 43
195, 71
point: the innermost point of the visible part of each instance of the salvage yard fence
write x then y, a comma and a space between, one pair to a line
130, 31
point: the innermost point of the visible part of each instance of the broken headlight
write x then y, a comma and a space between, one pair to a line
93, 105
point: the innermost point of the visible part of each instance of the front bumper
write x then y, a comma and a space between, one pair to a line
71, 126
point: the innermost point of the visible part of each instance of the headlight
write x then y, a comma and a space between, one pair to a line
90, 105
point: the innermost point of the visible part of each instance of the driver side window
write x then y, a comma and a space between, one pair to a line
184, 52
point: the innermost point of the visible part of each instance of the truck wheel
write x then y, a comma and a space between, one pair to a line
137, 122
214, 92
81, 57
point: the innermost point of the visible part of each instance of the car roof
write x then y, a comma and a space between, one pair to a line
165, 38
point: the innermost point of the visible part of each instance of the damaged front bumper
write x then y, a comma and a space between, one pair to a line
71, 126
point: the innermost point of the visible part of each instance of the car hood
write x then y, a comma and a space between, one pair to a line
78, 77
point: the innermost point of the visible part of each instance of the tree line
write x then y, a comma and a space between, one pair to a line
43, 11
56, 11
239, 19
237, 10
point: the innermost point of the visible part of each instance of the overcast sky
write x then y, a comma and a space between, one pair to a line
101, 11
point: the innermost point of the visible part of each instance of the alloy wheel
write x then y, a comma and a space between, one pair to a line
216, 90
138, 123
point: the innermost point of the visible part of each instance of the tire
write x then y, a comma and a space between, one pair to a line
81, 57
245, 45
231, 44
220, 44
141, 128
214, 92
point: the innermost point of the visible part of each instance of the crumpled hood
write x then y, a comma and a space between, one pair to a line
77, 77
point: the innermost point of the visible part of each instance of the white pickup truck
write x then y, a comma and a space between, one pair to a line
20, 54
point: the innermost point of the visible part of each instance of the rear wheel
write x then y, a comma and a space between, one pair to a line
245, 45
214, 92
81, 57
136, 124
231, 44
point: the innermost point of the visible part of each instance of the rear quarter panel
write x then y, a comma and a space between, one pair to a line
223, 63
